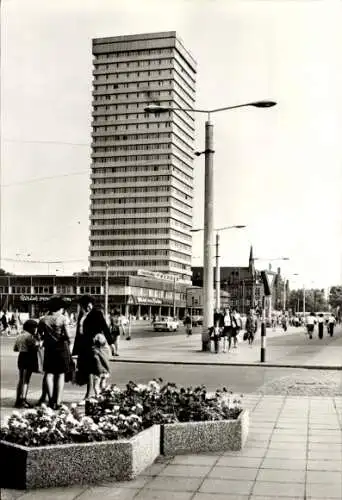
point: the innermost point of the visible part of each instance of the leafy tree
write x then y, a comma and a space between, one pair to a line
4, 273
335, 297
314, 300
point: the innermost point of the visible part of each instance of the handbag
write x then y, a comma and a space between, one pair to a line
245, 336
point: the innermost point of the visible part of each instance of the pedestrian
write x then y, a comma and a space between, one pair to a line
310, 324
226, 330
320, 321
235, 329
218, 329
53, 329
284, 322
114, 325
90, 322
331, 324
27, 345
4, 322
215, 335
251, 326
188, 324
101, 357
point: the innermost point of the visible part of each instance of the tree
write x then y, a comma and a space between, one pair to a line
335, 297
4, 273
314, 300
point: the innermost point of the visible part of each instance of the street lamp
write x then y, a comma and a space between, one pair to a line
217, 266
208, 313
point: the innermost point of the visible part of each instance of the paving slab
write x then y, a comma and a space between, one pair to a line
162, 495
248, 462
247, 452
324, 477
236, 473
54, 494
281, 475
226, 486
107, 493
282, 463
323, 490
324, 465
289, 454
194, 460
185, 470
169, 483
219, 496
263, 488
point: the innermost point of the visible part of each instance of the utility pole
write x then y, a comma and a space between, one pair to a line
263, 332
174, 296
217, 274
106, 293
208, 298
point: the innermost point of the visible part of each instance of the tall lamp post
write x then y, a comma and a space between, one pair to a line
208, 152
217, 257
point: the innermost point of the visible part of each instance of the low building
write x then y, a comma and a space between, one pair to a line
136, 295
244, 285
194, 300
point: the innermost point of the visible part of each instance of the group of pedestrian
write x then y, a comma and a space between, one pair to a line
7, 324
329, 323
226, 327
45, 346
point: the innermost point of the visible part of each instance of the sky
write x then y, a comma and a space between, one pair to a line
277, 170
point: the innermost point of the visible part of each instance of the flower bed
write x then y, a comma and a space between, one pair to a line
43, 448
118, 437
191, 420
201, 437
163, 404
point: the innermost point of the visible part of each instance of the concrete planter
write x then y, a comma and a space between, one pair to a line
200, 437
83, 463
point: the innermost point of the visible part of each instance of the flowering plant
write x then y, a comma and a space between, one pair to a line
119, 413
161, 404
43, 426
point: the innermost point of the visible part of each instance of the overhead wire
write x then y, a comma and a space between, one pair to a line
9, 259
40, 179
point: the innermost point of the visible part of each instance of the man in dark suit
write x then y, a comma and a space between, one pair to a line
90, 322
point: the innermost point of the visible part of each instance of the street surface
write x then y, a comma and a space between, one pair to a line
149, 356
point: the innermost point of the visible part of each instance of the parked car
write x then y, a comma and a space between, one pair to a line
165, 324
197, 320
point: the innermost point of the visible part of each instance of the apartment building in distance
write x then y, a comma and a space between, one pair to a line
142, 172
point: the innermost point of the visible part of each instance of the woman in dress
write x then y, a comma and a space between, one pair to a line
57, 357
90, 322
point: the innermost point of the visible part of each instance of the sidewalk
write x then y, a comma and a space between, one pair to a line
293, 451
187, 350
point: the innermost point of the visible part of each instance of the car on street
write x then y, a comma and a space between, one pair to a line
165, 324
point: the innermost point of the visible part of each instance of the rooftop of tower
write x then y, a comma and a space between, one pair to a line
144, 37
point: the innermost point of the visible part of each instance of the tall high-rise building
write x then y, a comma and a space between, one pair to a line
142, 172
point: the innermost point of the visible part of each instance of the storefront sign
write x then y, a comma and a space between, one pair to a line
161, 276
148, 300
40, 298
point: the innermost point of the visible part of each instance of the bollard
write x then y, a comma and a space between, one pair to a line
263, 341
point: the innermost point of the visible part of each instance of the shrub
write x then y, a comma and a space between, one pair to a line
119, 413
161, 404
43, 426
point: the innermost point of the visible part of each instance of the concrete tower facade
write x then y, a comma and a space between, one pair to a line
142, 172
